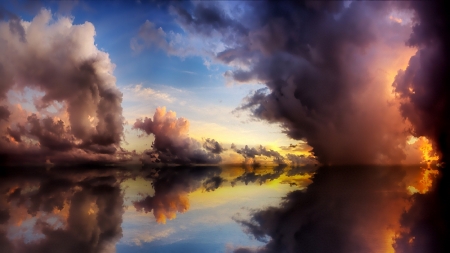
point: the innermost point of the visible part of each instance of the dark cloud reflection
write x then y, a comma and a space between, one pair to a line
80, 209
71, 210
345, 209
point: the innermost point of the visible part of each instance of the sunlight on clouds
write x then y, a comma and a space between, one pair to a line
429, 160
137, 99
395, 19
234, 131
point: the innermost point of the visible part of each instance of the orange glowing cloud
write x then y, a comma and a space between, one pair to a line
172, 143
164, 207
429, 158
172, 205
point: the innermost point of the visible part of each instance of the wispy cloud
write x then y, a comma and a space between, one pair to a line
139, 92
138, 236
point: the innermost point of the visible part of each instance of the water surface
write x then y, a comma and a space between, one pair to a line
203, 208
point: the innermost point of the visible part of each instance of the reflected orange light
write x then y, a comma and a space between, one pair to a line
429, 156
300, 181
168, 211
391, 237
428, 174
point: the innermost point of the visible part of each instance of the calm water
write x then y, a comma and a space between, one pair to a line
202, 209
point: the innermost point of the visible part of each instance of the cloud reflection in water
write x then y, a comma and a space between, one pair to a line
346, 208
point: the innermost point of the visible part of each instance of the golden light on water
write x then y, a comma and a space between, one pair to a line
428, 176
167, 209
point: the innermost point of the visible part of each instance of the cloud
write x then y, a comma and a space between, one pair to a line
208, 20
50, 134
172, 187
138, 91
250, 153
149, 35
320, 64
172, 143
327, 67
261, 178
60, 60
146, 236
422, 86
213, 146
74, 210
425, 95
213, 183
4, 113
298, 160
345, 209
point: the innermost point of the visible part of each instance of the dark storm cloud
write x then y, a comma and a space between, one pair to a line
4, 216
207, 18
252, 153
87, 205
425, 93
423, 86
50, 134
172, 143
5, 244
213, 146
63, 63
172, 186
339, 212
298, 160
313, 58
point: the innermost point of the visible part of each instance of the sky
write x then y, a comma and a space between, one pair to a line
185, 79
323, 104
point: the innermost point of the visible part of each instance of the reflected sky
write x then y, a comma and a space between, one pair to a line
201, 208
89, 209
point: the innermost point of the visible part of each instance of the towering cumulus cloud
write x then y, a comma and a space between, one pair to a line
325, 65
172, 143
425, 93
60, 61
328, 67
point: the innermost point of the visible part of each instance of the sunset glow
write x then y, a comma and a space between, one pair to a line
224, 126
